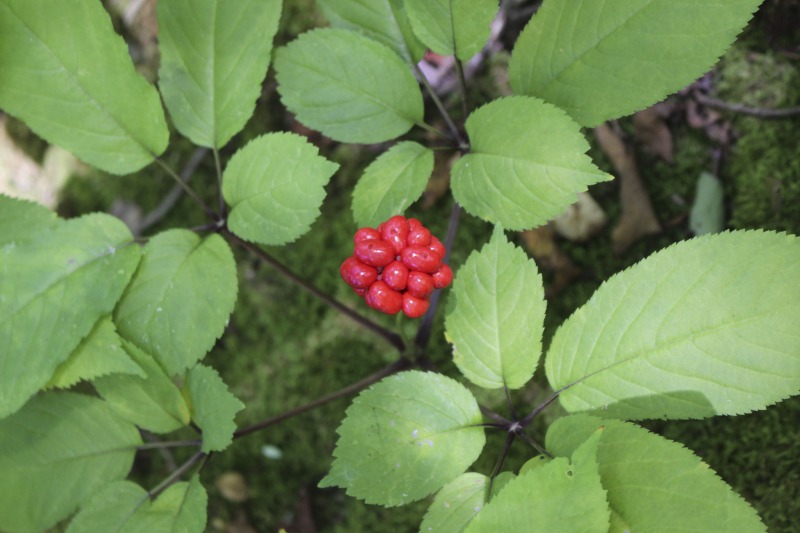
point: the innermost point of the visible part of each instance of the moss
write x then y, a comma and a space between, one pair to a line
764, 169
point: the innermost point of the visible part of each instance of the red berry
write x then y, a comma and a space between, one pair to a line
442, 277
414, 307
375, 253
419, 237
366, 234
395, 231
381, 297
360, 292
357, 274
419, 284
437, 246
421, 259
395, 275
413, 224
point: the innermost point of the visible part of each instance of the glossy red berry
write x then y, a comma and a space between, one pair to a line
419, 237
421, 259
419, 284
366, 234
395, 231
413, 224
357, 274
442, 277
395, 274
414, 307
437, 246
375, 253
360, 292
381, 297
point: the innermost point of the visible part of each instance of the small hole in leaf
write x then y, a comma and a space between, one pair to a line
569, 473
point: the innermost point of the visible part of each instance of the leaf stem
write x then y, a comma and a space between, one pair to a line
524, 436
442, 109
174, 195
462, 84
176, 475
427, 127
391, 337
500, 460
186, 188
168, 444
742, 109
539, 408
358, 386
218, 166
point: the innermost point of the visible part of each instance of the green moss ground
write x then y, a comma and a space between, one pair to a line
284, 348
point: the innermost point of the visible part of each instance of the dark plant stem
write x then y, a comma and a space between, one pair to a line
174, 195
462, 84
169, 444
510, 403
488, 413
524, 436
187, 189
758, 112
539, 408
358, 386
442, 109
424, 331
500, 460
392, 338
176, 475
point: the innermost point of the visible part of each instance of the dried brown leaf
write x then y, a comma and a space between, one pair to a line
652, 131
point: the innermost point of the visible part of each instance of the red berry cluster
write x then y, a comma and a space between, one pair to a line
397, 266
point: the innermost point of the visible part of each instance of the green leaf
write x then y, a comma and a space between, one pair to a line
347, 86
56, 452
391, 183
214, 56
654, 484
152, 402
705, 327
708, 210
21, 219
180, 299
603, 60
452, 27
385, 21
496, 315
213, 407
99, 354
456, 504
69, 77
533, 463
526, 164
125, 507
559, 496
54, 287
275, 186
406, 437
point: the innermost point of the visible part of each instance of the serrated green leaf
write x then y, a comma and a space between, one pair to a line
391, 183
69, 77
560, 496
496, 315
275, 186
452, 27
347, 86
533, 463
654, 484
124, 507
406, 437
152, 402
213, 407
56, 452
526, 164
600, 60
456, 504
708, 210
54, 287
99, 354
214, 56
21, 219
385, 21
180, 299
705, 327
